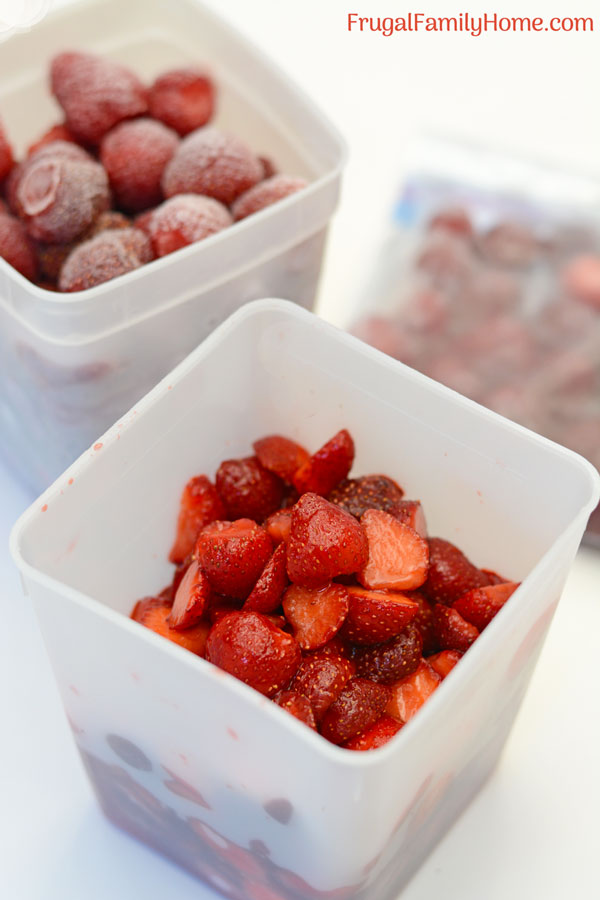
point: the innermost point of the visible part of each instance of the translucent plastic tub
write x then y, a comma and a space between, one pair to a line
70, 364
194, 762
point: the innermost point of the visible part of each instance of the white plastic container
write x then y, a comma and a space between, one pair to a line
196, 763
70, 364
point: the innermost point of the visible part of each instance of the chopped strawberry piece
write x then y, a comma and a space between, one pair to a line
233, 555
325, 541
220, 607
58, 132
360, 705
409, 694
494, 577
327, 467
425, 622
376, 616
316, 614
199, 506
157, 619
444, 661
191, 599
453, 632
480, 605
398, 556
377, 735
357, 495
279, 525
280, 455
386, 663
248, 490
144, 605
451, 574
298, 706
266, 593
265, 193
134, 154
411, 513
321, 677
6, 154
183, 99
247, 645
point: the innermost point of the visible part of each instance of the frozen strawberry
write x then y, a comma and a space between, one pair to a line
221, 606
325, 541
321, 677
444, 661
266, 593
11, 186
233, 555
108, 221
298, 706
280, 455
480, 605
95, 94
58, 132
211, 163
376, 616
247, 489
134, 155
6, 154
450, 573
411, 513
425, 621
510, 244
386, 663
247, 645
51, 258
279, 525
398, 556
316, 614
581, 277
60, 197
409, 694
266, 193
377, 735
453, 632
327, 467
106, 256
157, 619
200, 505
184, 220
191, 599
359, 706
184, 99
16, 247
357, 495
454, 219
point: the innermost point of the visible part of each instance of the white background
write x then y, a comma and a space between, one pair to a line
533, 830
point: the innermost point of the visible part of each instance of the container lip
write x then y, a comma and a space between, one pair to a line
327, 750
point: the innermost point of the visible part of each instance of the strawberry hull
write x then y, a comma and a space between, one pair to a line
264, 806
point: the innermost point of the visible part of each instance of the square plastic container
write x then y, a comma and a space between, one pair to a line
70, 364
194, 762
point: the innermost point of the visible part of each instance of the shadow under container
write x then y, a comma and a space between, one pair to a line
72, 363
195, 763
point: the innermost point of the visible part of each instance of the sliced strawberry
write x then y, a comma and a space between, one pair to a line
321, 677
280, 455
326, 468
325, 541
266, 593
357, 495
233, 555
411, 513
494, 577
444, 661
453, 632
451, 574
425, 622
157, 619
377, 735
316, 614
298, 706
398, 556
248, 490
200, 505
250, 647
279, 525
191, 599
409, 694
480, 605
376, 616
143, 606
358, 707
386, 663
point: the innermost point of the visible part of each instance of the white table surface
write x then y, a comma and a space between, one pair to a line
533, 830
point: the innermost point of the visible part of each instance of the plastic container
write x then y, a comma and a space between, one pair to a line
500, 299
71, 364
194, 762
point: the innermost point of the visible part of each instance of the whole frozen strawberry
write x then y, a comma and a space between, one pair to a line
265, 194
184, 99
109, 254
134, 155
